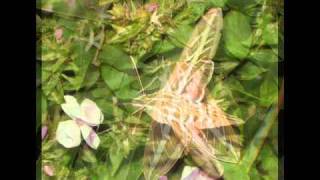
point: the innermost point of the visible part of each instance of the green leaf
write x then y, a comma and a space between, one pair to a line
101, 92
225, 67
131, 167
221, 91
116, 57
263, 57
88, 156
191, 13
114, 78
218, 3
268, 163
116, 158
126, 33
270, 34
235, 171
127, 92
180, 35
106, 107
82, 61
241, 5
77, 9
254, 174
269, 90
101, 172
240, 92
237, 34
91, 78
251, 151
162, 47
249, 71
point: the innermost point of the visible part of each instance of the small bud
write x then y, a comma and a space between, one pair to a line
44, 132
58, 34
48, 170
151, 7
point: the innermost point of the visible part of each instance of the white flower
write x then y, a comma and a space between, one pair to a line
83, 118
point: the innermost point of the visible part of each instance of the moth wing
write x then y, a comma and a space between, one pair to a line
204, 156
68, 134
161, 152
201, 74
205, 38
221, 133
226, 142
71, 107
177, 77
90, 136
206, 68
215, 117
190, 79
91, 113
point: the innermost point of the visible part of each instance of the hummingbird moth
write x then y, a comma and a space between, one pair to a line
185, 119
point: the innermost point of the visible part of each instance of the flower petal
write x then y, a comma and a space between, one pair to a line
187, 171
194, 173
58, 34
71, 107
91, 113
48, 170
68, 134
163, 178
90, 136
44, 132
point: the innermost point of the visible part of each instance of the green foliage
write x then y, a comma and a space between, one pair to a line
237, 34
103, 39
249, 71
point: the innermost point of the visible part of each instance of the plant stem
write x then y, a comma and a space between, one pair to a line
253, 149
95, 60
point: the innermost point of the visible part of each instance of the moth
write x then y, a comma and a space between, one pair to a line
185, 119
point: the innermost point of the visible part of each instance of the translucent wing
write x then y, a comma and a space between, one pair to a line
162, 106
161, 151
205, 38
201, 75
226, 142
195, 67
204, 155
91, 113
190, 79
68, 134
215, 117
221, 133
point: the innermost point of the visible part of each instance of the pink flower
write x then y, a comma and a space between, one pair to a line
44, 132
197, 174
58, 34
48, 170
151, 7
163, 178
